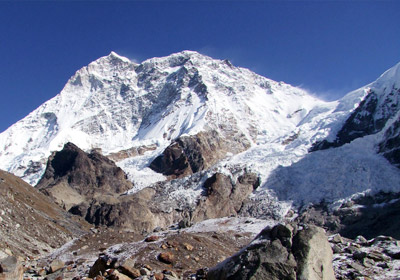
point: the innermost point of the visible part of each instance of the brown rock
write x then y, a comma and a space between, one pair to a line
158, 276
152, 238
128, 268
191, 154
116, 275
148, 267
166, 257
56, 265
188, 246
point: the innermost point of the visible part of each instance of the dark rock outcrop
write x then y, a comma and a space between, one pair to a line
369, 117
280, 253
191, 154
73, 176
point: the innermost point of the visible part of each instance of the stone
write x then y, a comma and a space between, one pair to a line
313, 254
359, 255
158, 276
188, 246
101, 265
116, 275
144, 271
368, 262
152, 238
377, 256
305, 256
336, 238
128, 268
361, 240
166, 257
56, 265
11, 269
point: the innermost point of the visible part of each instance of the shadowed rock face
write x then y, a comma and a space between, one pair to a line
73, 176
191, 154
280, 253
369, 117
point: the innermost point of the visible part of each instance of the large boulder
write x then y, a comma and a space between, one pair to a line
280, 253
11, 269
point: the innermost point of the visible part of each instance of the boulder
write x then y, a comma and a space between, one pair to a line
56, 265
11, 269
313, 254
280, 253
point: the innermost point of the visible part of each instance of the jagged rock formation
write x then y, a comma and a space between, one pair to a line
73, 176
191, 154
30, 223
280, 253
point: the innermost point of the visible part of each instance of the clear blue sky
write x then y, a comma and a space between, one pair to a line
328, 47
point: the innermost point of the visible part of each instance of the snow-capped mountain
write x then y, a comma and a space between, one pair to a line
133, 112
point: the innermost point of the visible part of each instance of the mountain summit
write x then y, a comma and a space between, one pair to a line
188, 116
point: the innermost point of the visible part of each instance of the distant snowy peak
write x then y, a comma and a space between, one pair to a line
390, 77
374, 105
115, 104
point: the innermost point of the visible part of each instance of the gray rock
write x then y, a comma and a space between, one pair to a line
267, 258
313, 254
11, 269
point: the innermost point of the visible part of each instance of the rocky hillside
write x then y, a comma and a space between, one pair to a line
31, 224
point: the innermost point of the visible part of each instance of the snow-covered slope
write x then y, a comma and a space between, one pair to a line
118, 106
115, 104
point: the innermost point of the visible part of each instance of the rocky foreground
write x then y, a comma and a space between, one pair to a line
279, 252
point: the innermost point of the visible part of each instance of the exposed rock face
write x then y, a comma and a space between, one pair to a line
369, 117
11, 269
73, 176
223, 197
272, 256
191, 154
30, 223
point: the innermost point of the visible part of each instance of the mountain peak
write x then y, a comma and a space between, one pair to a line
114, 55
391, 76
